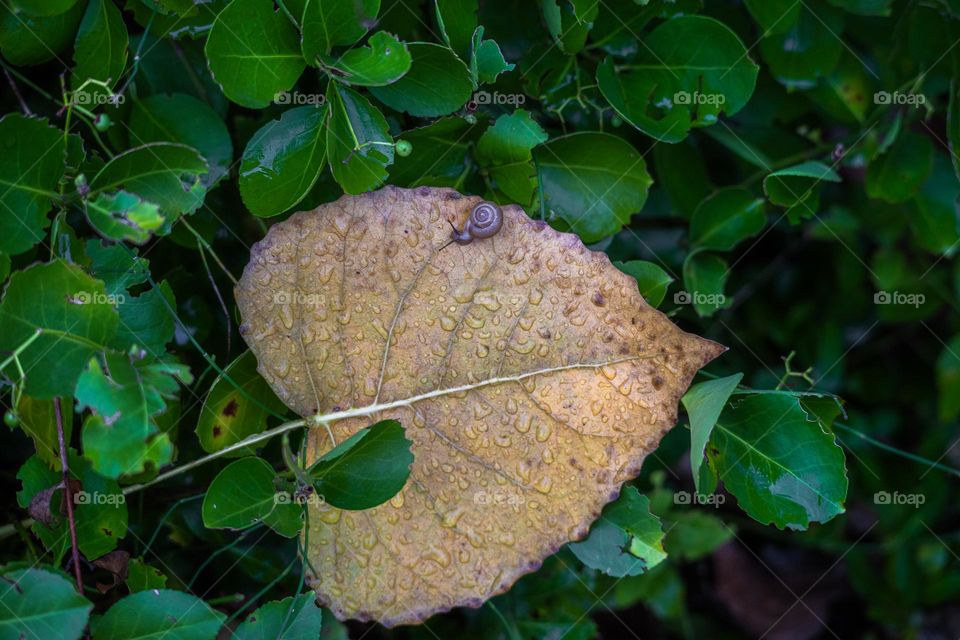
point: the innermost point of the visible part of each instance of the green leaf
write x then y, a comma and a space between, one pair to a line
118, 267
288, 619
26, 39
359, 145
864, 7
283, 160
241, 495
704, 402
626, 540
798, 188
36, 603
779, 462
100, 52
651, 279
953, 126
439, 154
145, 320
366, 470
126, 394
123, 216
231, 414
31, 166
570, 22
774, 16
158, 613
593, 181
505, 150
726, 218
329, 23
704, 278
457, 20
948, 381
176, 67
935, 222
846, 94
897, 175
690, 70
189, 121
438, 83
167, 174
486, 60
74, 316
100, 509
808, 50
253, 53
692, 535
38, 420
42, 7
382, 61
142, 576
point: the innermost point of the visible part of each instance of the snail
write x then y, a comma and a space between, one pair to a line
485, 220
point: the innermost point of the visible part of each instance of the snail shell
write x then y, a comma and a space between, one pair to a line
485, 220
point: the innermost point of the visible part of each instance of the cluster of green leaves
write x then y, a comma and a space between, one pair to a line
801, 151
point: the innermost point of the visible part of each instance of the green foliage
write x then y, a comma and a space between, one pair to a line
779, 176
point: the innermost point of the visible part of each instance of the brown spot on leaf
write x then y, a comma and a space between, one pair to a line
231, 409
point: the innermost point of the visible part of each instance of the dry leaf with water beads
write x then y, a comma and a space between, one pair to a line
531, 376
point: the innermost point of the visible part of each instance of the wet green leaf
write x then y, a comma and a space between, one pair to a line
359, 145
437, 84
382, 61
38, 603
288, 619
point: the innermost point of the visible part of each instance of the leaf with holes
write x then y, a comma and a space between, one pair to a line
531, 377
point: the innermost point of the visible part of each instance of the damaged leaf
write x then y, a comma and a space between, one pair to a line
531, 377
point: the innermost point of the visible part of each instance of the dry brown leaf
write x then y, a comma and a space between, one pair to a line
531, 377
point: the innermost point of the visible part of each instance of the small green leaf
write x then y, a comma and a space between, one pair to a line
626, 540
241, 495
692, 535
593, 181
253, 52
779, 462
185, 119
935, 222
145, 320
457, 20
169, 175
26, 39
100, 52
809, 50
126, 394
366, 470
704, 402
38, 420
329, 23
690, 70
651, 279
382, 61
37, 603
798, 188
486, 60
438, 83
123, 216
74, 316
359, 145
726, 218
570, 22
897, 175
505, 150
30, 169
158, 613
142, 576
283, 160
288, 619
230, 414
704, 278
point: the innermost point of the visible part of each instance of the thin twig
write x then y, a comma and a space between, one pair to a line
16, 92
68, 495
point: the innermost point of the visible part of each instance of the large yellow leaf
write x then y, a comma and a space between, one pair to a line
530, 374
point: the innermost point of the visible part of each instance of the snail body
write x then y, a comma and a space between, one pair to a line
485, 220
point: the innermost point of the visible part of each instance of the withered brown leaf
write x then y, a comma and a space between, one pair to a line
530, 374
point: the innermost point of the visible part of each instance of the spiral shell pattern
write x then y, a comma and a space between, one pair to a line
486, 218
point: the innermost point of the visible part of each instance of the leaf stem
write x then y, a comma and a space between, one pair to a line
68, 495
898, 452
206, 245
